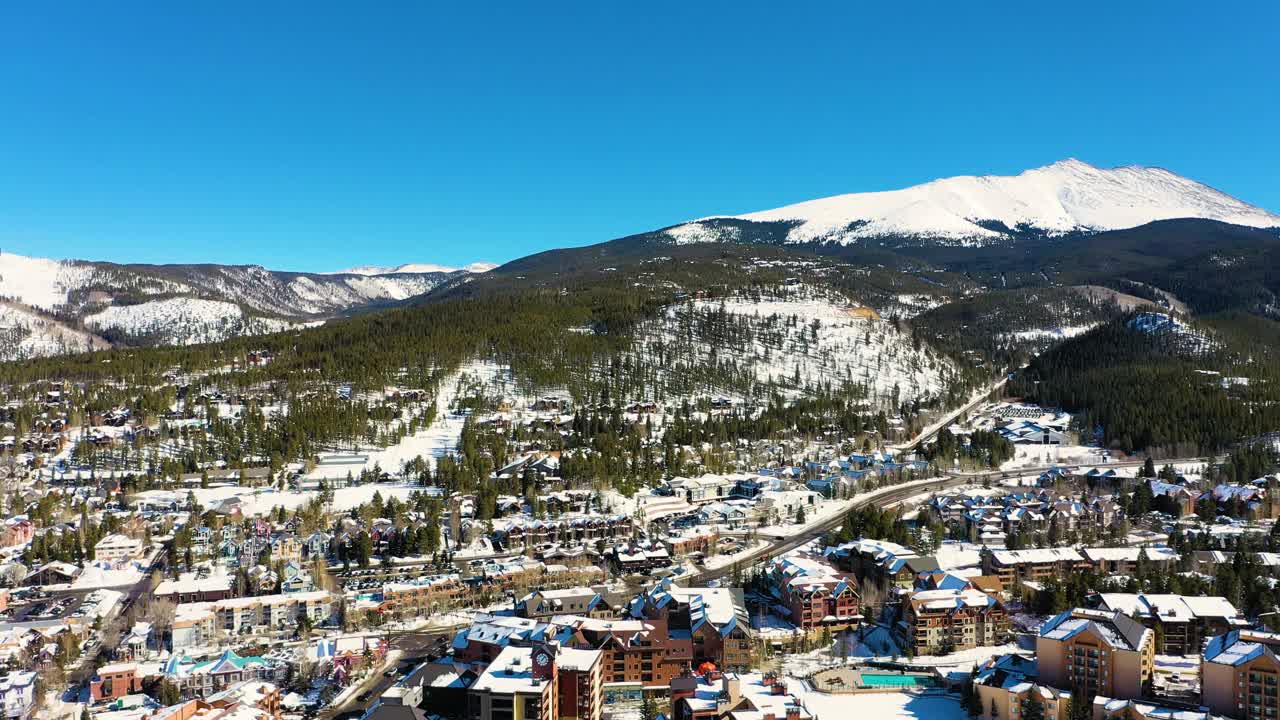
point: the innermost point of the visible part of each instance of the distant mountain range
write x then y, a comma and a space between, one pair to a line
1066, 223
54, 306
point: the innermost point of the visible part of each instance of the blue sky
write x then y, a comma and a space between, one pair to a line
317, 136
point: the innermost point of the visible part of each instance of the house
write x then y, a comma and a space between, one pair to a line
1105, 708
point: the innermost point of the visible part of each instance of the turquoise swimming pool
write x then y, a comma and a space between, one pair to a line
895, 681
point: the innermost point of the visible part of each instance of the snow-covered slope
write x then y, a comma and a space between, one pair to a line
786, 340
27, 333
183, 303
1063, 197
182, 321
475, 267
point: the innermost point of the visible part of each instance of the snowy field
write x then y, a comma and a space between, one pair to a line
261, 501
442, 436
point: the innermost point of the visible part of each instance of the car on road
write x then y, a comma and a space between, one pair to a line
364, 697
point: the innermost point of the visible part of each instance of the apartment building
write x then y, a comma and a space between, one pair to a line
579, 684
432, 592
1035, 565
1005, 682
638, 652
714, 620
545, 604
1240, 675
520, 684
199, 624
815, 592
117, 547
1183, 622
1096, 652
941, 621
1124, 560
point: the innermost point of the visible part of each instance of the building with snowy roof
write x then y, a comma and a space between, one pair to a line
1183, 622
1096, 652
944, 620
1240, 675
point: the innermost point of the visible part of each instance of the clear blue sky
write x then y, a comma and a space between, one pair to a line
316, 136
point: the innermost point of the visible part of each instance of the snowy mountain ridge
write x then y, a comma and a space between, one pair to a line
1067, 196
57, 306
374, 270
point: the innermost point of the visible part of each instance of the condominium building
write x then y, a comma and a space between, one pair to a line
434, 592
1005, 682
1036, 565
713, 620
117, 547
1096, 652
579, 684
940, 621
1105, 708
1240, 675
198, 624
816, 593
1182, 622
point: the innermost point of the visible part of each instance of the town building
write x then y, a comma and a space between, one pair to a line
1240, 675
520, 684
815, 592
943, 621
1096, 652
1182, 623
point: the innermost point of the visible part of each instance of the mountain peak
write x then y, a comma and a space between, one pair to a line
1069, 195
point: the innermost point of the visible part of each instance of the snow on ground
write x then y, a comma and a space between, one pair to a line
442, 436
1057, 333
261, 501
772, 339
1045, 455
27, 334
878, 706
183, 320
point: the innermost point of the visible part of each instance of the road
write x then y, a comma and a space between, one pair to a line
937, 425
415, 648
818, 529
897, 495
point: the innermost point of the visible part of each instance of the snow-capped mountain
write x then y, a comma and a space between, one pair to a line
1067, 196
415, 268
54, 306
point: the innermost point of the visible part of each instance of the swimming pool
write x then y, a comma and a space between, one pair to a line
885, 680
